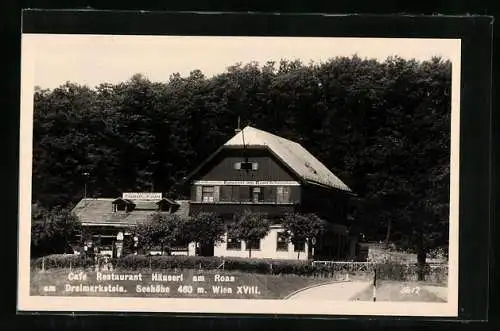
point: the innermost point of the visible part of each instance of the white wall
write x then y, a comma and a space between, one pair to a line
267, 248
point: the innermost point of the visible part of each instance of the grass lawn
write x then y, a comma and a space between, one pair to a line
400, 291
194, 284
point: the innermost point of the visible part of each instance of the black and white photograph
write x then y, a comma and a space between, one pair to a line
219, 174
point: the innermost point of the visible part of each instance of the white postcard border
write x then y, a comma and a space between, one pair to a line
239, 306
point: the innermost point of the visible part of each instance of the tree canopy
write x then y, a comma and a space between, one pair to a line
383, 127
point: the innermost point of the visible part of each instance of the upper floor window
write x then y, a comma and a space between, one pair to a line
257, 194
283, 194
207, 194
246, 166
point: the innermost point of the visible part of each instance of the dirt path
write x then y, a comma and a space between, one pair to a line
340, 291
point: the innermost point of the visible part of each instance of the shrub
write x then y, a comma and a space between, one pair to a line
385, 271
62, 261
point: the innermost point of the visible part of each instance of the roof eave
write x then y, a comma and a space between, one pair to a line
330, 187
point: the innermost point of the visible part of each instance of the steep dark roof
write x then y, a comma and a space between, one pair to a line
290, 153
100, 212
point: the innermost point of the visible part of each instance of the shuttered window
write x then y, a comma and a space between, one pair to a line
209, 194
283, 194
246, 166
198, 193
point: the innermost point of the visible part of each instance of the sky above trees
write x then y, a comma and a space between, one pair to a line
95, 59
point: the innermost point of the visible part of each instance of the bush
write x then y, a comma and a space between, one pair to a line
62, 261
385, 271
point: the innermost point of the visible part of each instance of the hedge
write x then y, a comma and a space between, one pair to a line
385, 271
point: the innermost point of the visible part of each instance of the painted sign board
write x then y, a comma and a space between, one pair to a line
142, 195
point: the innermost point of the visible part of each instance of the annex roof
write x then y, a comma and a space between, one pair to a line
100, 212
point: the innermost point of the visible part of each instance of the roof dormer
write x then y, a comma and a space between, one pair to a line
168, 205
121, 204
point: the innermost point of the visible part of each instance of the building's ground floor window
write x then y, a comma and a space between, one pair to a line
233, 243
253, 245
299, 246
281, 242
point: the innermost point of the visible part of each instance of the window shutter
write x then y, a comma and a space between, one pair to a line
216, 193
255, 166
279, 194
286, 194
198, 193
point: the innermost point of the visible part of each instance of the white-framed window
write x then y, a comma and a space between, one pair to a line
281, 242
246, 166
208, 194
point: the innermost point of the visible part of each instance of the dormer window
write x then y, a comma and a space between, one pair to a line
246, 166
167, 205
123, 205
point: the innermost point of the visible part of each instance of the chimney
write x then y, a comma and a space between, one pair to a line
238, 130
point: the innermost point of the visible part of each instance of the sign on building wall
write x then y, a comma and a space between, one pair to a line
142, 195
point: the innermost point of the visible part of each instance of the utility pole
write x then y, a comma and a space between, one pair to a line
85, 175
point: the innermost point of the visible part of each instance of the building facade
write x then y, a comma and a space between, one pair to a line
108, 223
254, 171
260, 172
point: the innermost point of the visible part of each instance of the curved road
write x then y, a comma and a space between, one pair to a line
342, 291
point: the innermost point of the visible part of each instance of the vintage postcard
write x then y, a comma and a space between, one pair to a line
248, 175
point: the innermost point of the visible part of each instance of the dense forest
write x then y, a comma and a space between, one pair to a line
383, 127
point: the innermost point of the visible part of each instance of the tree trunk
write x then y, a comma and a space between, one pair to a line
249, 253
298, 255
388, 233
421, 259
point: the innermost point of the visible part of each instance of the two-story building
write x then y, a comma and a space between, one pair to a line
261, 172
254, 171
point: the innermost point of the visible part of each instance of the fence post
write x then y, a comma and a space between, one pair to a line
43, 263
375, 284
